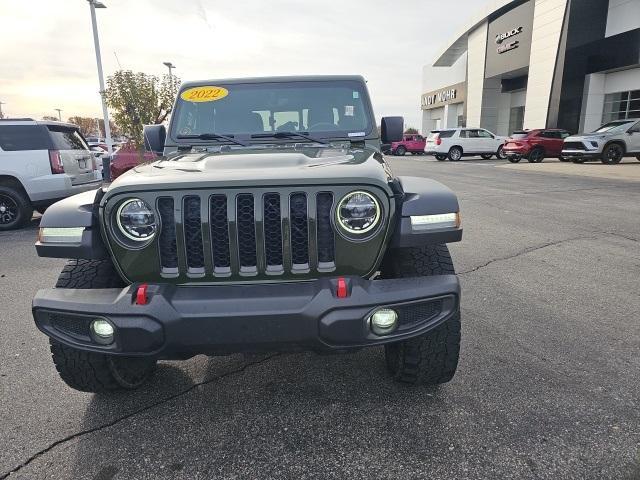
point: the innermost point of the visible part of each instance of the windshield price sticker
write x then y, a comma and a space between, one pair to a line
208, 93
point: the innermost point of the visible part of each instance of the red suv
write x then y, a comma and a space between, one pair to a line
535, 145
410, 142
127, 157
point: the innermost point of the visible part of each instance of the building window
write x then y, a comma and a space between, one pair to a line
516, 119
621, 105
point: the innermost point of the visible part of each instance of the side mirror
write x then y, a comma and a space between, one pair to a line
391, 129
154, 137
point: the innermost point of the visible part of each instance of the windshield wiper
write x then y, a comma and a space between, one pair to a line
289, 135
212, 136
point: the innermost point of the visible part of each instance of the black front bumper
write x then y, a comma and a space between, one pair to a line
182, 321
590, 155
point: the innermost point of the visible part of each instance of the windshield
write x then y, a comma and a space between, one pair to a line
611, 127
325, 109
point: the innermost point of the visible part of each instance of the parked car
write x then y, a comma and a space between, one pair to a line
127, 157
412, 143
610, 143
535, 145
41, 162
455, 143
255, 239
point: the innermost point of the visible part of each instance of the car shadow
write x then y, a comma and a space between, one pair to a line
257, 411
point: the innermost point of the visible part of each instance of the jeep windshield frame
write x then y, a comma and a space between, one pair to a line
255, 112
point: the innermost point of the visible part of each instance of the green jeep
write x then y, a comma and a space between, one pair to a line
271, 223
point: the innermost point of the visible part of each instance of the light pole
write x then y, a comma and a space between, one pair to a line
59, 110
170, 66
1, 114
93, 4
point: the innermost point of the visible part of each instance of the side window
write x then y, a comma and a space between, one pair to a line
420, 138
484, 134
464, 133
447, 133
23, 137
473, 134
564, 134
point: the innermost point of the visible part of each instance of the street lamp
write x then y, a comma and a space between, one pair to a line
170, 66
59, 110
93, 4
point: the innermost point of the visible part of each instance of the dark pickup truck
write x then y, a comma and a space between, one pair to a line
271, 221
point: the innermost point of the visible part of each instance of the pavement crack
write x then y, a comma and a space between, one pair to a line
524, 252
132, 414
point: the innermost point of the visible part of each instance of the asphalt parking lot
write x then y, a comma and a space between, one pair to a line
548, 385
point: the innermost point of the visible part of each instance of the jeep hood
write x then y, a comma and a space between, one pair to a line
259, 166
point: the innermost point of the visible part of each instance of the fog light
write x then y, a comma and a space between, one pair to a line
102, 331
384, 321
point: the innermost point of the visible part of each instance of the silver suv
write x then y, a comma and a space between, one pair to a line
41, 163
610, 143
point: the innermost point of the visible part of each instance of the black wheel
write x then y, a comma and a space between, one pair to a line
536, 155
500, 153
513, 159
455, 154
638, 157
486, 156
15, 208
88, 371
441, 158
401, 151
431, 358
612, 154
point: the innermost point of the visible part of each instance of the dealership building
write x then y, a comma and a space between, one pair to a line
571, 64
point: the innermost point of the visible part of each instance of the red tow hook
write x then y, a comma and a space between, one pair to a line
141, 294
342, 291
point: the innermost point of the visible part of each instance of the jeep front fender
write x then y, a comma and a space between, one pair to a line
423, 196
79, 210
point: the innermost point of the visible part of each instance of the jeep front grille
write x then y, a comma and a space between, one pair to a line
247, 234
274, 234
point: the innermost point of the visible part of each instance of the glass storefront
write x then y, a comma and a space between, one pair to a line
621, 105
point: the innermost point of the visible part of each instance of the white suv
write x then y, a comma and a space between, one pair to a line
455, 143
41, 163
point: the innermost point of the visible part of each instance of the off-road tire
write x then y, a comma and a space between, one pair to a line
400, 151
80, 273
612, 154
17, 209
95, 372
455, 154
432, 358
486, 156
88, 371
536, 155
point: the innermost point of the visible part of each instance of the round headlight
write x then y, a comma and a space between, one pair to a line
358, 212
136, 220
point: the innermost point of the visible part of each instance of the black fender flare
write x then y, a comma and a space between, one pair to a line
79, 210
423, 196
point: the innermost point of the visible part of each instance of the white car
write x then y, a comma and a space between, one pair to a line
41, 163
455, 143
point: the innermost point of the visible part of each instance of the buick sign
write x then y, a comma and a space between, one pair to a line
501, 37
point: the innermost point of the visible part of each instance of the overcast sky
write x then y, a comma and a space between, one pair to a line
47, 58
